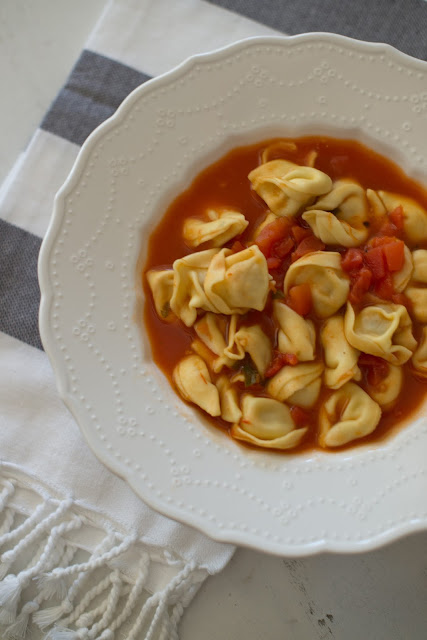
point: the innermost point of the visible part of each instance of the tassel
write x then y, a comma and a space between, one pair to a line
18, 629
10, 592
61, 633
46, 617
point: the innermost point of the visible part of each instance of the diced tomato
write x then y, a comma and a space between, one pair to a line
374, 259
384, 288
388, 229
273, 262
284, 247
237, 246
381, 241
307, 245
397, 218
271, 234
360, 285
377, 368
299, 233
299, 298
280, 360
394, 255
352, 259
300, 417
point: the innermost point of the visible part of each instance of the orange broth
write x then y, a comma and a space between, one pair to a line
225, 184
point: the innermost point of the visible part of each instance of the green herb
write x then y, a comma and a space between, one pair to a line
165, 310
278, 295
250, 372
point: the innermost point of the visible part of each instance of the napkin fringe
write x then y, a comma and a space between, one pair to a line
90, 600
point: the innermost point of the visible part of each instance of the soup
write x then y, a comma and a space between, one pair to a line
286, 294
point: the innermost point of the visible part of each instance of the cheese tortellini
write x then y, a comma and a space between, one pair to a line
348, 414
340, 357
383, 330
287, 187
303, 315
251, 340
267, 423
219, 281
161, 285
417, 290
414, 215
329, 284
388, 390
419, 359
299, 385
218, 228
339, 218
193, 380
296, 335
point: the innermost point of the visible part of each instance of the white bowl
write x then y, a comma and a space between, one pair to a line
126, 174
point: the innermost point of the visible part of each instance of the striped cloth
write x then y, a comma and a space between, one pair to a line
104, 561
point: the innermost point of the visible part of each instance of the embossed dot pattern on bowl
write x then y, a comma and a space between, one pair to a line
126, 174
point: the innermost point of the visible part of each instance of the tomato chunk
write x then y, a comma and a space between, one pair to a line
299, 298
280, 360
300, 417
271, 234
375, 260
307, 245
299, 233
360, 285
284, 247
394, 255
273, 262
352, 259
397, 218
384, 288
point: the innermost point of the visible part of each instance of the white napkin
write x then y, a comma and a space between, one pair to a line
82, 555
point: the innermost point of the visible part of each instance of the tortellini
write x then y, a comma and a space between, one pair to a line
287, 187
251, 340
346, 225
414, 215
419, 359
418, 298
237, 282
418, 294
296, 335
387, 391
340, 357
218, 229
211, 330
402, 277
348, 414
419, 258
193, 380
299, 384
161, 285
188, 291
329, 284
267, 423
230, 409
219, 281
383, 330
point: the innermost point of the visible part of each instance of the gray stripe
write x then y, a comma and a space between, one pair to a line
19, 287
95, 88
402, 24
